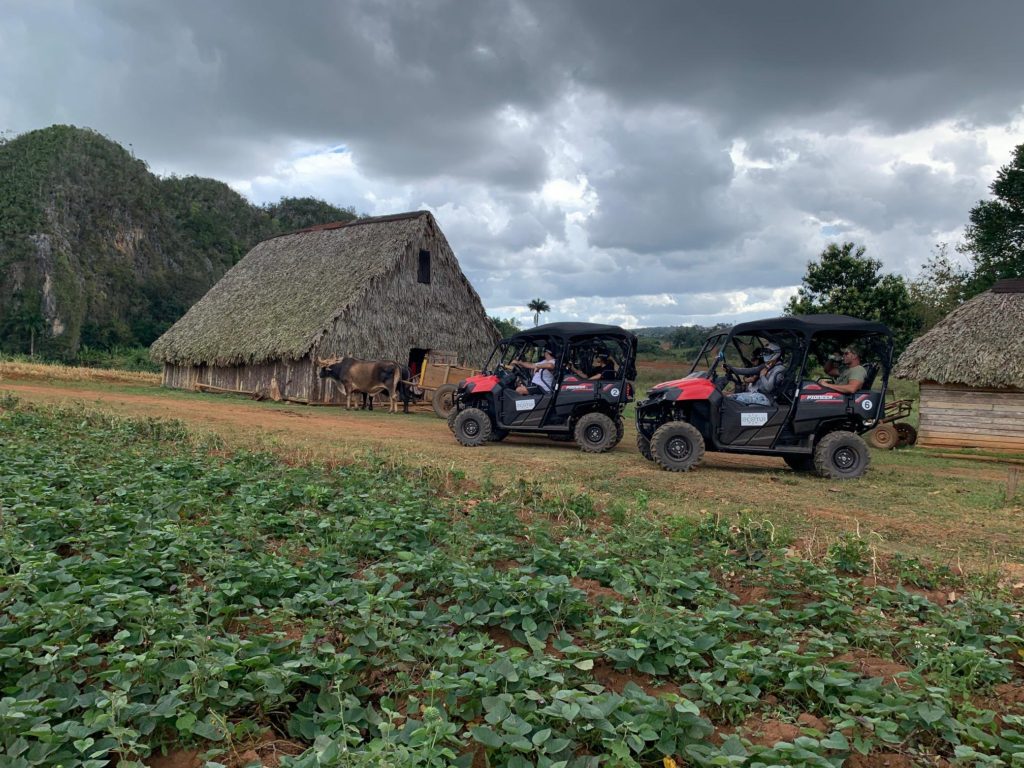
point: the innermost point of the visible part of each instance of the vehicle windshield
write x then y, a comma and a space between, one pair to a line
708, 354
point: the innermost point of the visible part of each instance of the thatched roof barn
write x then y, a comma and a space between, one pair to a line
971, 370
386, 287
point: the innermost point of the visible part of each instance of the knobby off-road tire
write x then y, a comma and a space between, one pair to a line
799, 463
677, 446
620, 430
451, 419
444, 400
472, 427
841, 456
644, 446
595, 433
908, 435
884, 437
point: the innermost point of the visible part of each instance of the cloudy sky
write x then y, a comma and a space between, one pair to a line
644, 163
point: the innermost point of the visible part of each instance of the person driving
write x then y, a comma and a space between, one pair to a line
769, 375
543, 374
851, 375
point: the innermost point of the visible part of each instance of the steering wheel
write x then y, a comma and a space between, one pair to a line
732, 376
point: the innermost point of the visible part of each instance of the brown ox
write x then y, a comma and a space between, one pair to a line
366, 376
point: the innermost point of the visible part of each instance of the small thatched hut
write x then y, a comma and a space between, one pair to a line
387, 287
971, 369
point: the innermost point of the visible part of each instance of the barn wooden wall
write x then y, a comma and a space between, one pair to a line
296, 379
956, 416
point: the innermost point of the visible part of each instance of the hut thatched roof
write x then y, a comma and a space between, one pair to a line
279, 300
981, 343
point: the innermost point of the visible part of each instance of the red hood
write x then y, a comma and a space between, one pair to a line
689, 389
480, 383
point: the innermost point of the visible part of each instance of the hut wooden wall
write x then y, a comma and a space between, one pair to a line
399, 313
956, 416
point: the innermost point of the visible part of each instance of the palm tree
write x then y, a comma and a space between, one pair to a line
537, 306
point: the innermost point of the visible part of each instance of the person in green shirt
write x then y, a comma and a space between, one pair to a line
851, 375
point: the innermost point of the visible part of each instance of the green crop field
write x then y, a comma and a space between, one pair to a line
162, 594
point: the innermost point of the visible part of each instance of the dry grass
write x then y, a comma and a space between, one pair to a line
57, 372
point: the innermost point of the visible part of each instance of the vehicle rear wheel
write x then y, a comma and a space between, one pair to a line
644, 446
472, 427
908, 435
799, 462
444, 400
620, 430
595, 433
677, 446
841, 456
884, 437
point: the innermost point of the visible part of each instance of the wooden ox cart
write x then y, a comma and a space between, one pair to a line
439, 378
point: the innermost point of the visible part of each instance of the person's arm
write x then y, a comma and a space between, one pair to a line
745, 371
853, 386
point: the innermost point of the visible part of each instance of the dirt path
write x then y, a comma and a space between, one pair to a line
945, 510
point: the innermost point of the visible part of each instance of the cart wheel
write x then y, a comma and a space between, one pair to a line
907, 435
884, 437
444, 399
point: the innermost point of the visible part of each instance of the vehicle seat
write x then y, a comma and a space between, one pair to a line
870, 372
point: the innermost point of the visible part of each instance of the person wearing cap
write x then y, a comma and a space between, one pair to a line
543, 374
852, 374
769, 376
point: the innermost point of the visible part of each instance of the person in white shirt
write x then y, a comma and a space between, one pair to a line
543, 374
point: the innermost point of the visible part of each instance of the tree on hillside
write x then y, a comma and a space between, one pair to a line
506, 328
537, 306
995, 237
941, 287
846, 282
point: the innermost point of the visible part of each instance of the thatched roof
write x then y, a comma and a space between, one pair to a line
279, 300
981, 343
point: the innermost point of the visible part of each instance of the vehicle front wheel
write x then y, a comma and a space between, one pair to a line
472, 427
644, 446
677, 446
841, 456
595, 433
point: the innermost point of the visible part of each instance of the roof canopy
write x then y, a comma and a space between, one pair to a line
808, 325
980, 343
278, 300
569, 332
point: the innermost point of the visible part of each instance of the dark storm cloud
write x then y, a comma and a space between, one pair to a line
472, 108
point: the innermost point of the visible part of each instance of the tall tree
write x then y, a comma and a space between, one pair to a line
846, 282
506, 328
942, 286
537, 306
995, 237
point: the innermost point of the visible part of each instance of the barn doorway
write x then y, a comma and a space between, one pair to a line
416, 358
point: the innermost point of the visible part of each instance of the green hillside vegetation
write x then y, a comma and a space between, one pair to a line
97, 252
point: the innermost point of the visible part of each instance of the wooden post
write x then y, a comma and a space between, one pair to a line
1012, 480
